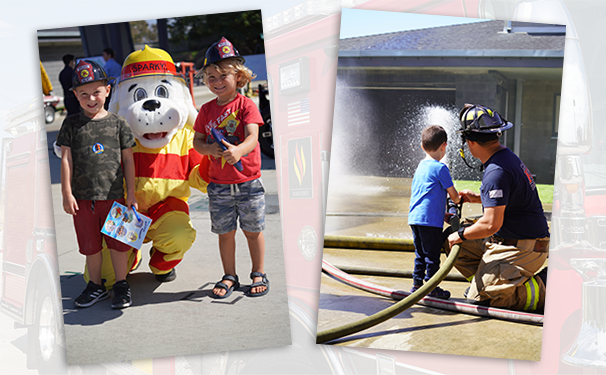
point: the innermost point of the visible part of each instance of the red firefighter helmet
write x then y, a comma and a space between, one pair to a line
88, 71
223, 49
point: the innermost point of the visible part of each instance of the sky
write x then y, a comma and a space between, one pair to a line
361, 22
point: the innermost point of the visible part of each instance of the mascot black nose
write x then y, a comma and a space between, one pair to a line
151, 105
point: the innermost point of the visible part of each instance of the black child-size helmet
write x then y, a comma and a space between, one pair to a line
88, 71
223, 49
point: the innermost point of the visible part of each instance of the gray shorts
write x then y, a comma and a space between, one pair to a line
228, 202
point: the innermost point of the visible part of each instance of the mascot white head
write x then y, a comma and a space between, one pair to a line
153, 99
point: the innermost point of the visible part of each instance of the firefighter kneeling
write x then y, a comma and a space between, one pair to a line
502, 252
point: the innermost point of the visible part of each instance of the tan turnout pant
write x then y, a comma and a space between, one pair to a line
502, 274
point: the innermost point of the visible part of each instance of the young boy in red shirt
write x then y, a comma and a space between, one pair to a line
236, 191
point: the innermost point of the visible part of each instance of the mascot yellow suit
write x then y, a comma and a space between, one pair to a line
158, 106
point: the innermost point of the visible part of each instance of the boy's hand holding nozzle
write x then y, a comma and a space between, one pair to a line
453, 213
219, 138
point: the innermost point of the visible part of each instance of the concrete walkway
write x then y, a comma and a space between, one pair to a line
179, 317
378, 207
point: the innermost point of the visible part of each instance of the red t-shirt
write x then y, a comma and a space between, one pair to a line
231, 119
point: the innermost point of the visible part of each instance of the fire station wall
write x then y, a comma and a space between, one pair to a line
382, 107
538, 141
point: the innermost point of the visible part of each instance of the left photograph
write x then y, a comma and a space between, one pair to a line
164, 187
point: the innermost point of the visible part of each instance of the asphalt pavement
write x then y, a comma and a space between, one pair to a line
178, 317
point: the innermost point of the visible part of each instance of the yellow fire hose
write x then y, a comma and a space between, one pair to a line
390, 312
371, 243
372, 271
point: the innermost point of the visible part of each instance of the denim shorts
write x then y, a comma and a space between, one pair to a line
228, 202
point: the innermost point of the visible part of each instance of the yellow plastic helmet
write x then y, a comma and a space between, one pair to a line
476, 118
148, 61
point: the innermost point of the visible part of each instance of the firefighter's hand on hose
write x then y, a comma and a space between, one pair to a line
70, 205
470, 196
454, 239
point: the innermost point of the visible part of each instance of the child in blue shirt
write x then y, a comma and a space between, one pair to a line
430, 185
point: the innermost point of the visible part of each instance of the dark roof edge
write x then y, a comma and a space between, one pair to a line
455, 53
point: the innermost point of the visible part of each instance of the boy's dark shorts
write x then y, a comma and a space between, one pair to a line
88, 222
228, 202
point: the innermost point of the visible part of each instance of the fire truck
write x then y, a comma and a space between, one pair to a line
30, 292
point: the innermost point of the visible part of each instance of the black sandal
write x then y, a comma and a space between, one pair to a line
228, 289
264, 282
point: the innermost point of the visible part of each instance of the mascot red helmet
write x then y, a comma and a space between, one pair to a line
148, 61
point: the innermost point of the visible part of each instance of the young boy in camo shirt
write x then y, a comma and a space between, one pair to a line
96, 157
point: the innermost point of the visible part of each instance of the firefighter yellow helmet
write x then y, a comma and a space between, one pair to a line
476, 118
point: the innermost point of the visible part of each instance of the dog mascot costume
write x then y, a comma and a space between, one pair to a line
158, 106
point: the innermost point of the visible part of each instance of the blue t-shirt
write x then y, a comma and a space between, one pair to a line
428, 194
507, 182
112, 69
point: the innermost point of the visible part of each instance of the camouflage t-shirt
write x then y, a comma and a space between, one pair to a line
96, 147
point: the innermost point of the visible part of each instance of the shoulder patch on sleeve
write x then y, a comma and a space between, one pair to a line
495, 193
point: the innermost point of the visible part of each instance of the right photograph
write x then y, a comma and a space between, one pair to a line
441, 188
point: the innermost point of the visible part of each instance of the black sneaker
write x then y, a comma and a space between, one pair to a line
439, 293
122, 297
91, 295
415, 288
167, 276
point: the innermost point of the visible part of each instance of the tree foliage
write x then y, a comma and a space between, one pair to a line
243, 29
142, 32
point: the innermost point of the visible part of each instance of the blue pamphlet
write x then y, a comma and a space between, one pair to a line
126, 225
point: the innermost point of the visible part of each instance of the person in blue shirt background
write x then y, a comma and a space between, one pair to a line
113, 71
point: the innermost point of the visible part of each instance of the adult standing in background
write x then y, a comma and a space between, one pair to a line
112, 69
65, 77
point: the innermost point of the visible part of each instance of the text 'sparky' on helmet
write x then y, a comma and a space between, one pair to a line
221, 50
148, 62
88, 71
477, 118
